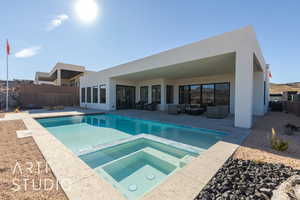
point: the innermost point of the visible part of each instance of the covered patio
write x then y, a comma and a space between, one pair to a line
225, 70
204, 82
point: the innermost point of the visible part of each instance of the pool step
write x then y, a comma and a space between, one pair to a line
163, 156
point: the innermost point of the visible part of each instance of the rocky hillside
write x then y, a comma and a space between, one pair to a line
278, 88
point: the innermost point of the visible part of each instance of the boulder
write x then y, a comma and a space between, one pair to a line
288, 190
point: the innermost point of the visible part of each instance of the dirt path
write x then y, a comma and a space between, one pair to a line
16, 156
257, 145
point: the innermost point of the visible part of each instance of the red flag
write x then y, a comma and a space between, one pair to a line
270, 75
7, 48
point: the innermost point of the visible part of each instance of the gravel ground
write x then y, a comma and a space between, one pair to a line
257, 145
13, 176
246, 180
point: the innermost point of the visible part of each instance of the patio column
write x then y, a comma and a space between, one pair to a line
258, 92
243, 88
58, 78
176, 94
111, 90
163, 95
149, 94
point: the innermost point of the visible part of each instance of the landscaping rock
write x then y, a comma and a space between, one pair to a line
246, 180
288, 190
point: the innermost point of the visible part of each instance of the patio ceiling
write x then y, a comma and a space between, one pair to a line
221, 64
65, 74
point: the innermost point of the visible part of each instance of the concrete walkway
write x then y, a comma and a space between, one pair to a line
199, 121
184, 184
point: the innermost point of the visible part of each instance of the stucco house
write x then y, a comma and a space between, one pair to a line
226, 69
62, 74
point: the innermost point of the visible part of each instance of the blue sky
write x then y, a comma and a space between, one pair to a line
126, 30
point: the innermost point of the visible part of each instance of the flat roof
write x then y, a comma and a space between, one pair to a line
67, 71
226, 43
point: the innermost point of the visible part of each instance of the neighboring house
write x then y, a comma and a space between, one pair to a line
228, 69
276, 97
61, 75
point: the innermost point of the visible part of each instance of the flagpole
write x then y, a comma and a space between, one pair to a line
7, 82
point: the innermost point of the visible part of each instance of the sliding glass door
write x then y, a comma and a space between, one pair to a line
195, 94
222, 94
125, 97
144, 94
208, 94
205, 94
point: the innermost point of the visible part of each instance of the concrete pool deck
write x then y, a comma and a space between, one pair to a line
81, 182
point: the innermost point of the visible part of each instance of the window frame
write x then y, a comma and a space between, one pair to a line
169, 94
88, 94
146, 93
187, 89
102, 94
95, 88
83, 96
153, 97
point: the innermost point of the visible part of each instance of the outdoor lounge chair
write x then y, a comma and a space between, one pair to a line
151, 106
140, 105
182, 107
217, 112
194, 109
173, 109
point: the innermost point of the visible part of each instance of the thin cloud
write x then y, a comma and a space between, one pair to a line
57, 22
28, 52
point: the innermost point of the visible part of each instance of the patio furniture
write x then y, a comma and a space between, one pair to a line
140, 105
183, 107
217, 112
60, 107
151, 106
194, 109
173, 109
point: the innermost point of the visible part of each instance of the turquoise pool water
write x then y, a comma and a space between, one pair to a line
134, 164
83, 132
137, 166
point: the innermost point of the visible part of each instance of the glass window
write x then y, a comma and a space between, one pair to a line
156, 94
208, 97
144, 94
102, 89
83, 95
95, 94
170, 94
88, 94
195, 94
222, 93
184, 94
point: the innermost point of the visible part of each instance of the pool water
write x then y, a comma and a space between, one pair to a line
138, 173
97, 158
83, 132
134, 155
137, 166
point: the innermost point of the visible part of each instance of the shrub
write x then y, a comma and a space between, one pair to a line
17, 110
277, 143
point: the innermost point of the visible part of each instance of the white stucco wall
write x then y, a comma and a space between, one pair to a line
246, 83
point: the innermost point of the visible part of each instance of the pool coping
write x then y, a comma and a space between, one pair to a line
87, 184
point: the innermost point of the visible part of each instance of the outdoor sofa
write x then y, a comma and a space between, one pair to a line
192, 109
217, 112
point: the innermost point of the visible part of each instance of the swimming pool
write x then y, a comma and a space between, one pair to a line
134, 155
83, 132
135, 167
